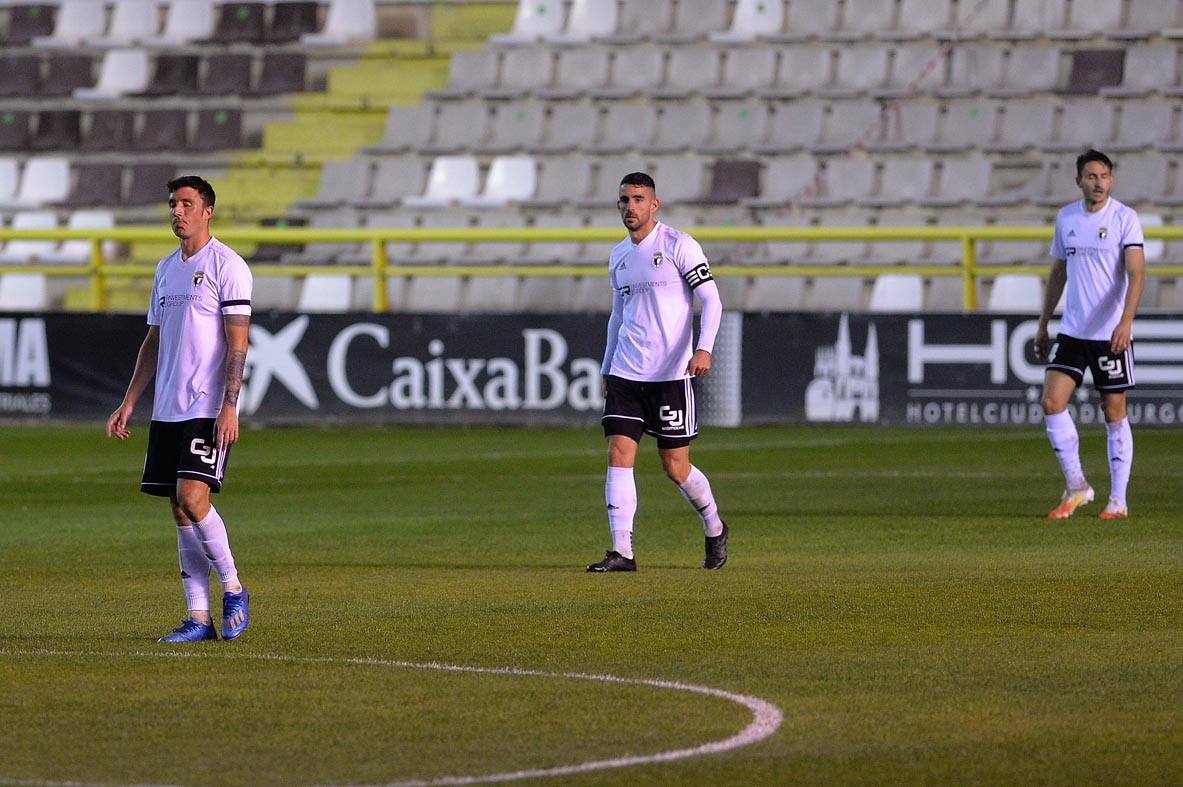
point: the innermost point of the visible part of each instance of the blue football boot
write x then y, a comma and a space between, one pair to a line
236, 614
191, 631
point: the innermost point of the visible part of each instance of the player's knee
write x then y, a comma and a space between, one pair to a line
1114, 409
677, 470
179, 514
194, 501
1053, 404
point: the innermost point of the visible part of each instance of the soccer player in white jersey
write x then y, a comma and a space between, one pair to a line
1098, 251
196, 348
655, 274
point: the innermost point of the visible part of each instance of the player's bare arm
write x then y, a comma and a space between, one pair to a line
1135, 266
1051, 296
237, 327
145, 370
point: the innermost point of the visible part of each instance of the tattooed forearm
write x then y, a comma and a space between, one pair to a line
235, 366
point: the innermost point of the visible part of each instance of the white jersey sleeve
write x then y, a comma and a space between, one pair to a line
234, 287
1057, 250
1131, 230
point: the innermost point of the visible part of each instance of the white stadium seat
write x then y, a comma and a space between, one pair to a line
510, 179
123, 71
347, 22
533, 20
184, 21
132, 21
752, 19
77, 21
452, 178
897, 292
17, 252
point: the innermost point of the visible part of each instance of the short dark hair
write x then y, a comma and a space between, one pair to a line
638, 179
1091, 155
200, 185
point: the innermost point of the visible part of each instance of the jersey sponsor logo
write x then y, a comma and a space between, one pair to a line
204, 451
625, 291
1070, 251
198, 278
699, 274
658, 258
674, 420
169, 301
1111, 366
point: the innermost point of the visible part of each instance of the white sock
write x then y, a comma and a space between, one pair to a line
620, 494
1121, 456
697, 491
217, 548
194, 572
1061, 431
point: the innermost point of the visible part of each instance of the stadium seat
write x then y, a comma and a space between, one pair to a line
348, 21
801, 70
452, 178
498, 251
491, 294
1148, 68
571, 126
132, 21
1026, 123
77, 252
897, 292
974, 68
1144, 124
16, 252
65, 74
845, 179
20, 75
681, 125
732, 181
863, 18
694, 20
561, 180
442, 252
44, 180
123, 71
546, 294
783, 252
739, 125
794, 126
394, 178
851, 123
9, 179
1141, 177
836, 293
679, 178
578, 71
918, 19
807, 19
23, 292
58, 129
974, 20
433, 294
901, 252
164, 129
27, 22
95, 185
109, 129
184, 21
1011, 252
76, 21
1145, 20
1016, 292
841, 252
966, 123
861, 68
397, 252
533, 20
1031, 68
1084, 123
218, 129
470, 72
325, 292
961, 180
785, 179
242, 23
913, 70
510, 179
148, 184
460, 125
1033, 18
14, 130
523, 70
626, 125
642, 19
909, 124
173, 74
776, 294
291, 20
746, 70
1087, 18
281, 72
407, 128
341, 182
550, 251
226, 73
587, 19
690, 69
904, 180
751, 20
1094, 70
324, 253
636, 69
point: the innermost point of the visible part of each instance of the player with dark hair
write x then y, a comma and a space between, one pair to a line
1098, 253
196, 347
655, 274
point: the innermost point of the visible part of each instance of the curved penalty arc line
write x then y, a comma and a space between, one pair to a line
766, 716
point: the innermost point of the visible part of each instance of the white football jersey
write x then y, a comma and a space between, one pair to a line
653, 283
1094, 246
189, 298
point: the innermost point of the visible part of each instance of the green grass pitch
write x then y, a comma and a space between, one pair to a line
898, 594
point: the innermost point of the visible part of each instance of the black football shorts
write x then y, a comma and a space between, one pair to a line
1111, 371
663, 409
182, 449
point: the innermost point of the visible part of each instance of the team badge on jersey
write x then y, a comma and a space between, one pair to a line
198, 278
1101, 233
658, 258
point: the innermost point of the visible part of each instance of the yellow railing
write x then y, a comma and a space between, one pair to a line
100, 270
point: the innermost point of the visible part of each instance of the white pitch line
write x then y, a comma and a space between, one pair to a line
766, 717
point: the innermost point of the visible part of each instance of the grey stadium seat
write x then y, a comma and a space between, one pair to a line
848, 122
395, 177
67, 73
784, 178
739, 125
836, 293
523, 70
626, 126
174, 74
1148, 19
690, 69
844, 180
325, 253
563, 179
809, 19
974, 20
407, 128
1148, 68
1141, 177
496, 251
58, 129
862, 68
640, 19
801, 70
1031, 68
913, 63
516, 125
909, 124
903, 180
460, 125
745, 70
635, 69
442, 251
1087, 18
470, 72
839, 252
110, 129
606, 185
553, 251
967, 123
905, 252
682, 125
695, 19
862, 18
1026, 123
974, 68
1144, 124
1032, 18
571, 125
281, 72
342, 182
794, 126
164, 129
20, 75
960, 180
733, 180
579, 70
679, 178
1083, 123
918, 19
218, 129
14, 130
